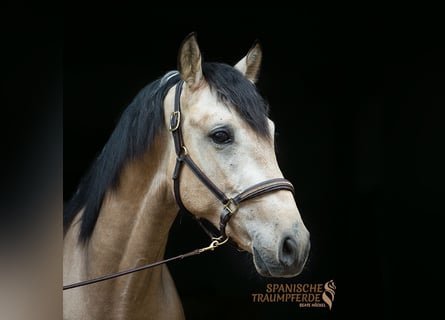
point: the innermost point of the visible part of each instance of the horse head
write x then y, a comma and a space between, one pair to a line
225, 129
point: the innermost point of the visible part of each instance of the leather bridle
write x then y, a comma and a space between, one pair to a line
230, 204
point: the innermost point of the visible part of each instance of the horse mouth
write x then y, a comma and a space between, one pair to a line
268, 266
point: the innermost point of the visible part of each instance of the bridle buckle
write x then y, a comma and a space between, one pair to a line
231, 206
175, 120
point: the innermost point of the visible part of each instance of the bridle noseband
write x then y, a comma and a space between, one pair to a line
230, 205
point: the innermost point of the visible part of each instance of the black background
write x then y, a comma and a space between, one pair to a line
356, 95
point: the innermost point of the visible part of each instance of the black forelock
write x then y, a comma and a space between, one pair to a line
235, 90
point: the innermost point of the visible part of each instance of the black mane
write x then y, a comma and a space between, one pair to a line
138, 127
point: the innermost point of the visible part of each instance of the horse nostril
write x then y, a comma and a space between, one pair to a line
288, 251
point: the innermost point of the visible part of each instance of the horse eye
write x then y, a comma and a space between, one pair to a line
221, 137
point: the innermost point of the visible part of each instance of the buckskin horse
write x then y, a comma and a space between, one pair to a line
197, 139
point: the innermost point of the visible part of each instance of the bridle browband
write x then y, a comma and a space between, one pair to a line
230, 204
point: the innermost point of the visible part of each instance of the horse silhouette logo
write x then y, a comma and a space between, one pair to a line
329, 293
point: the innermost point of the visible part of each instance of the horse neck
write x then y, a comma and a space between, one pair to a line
132, 230
136, 217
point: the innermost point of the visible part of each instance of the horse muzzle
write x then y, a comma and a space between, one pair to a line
286, 260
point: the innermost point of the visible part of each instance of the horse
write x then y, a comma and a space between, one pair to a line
199, 139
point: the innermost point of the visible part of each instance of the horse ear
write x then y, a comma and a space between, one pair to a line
250, 65
189, 61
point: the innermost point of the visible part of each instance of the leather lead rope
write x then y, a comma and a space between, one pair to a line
213, 245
